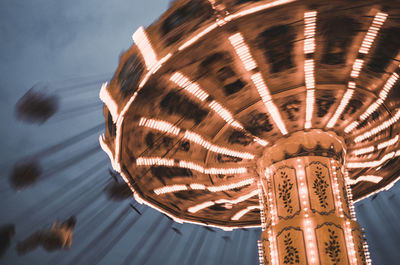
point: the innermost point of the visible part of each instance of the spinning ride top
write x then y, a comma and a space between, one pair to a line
271, 114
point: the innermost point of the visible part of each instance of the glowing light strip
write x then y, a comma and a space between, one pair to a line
207, 204
369, 178
265, 95
200, 206
198, 36
109, 101
260, 141
159, 125
365, 150
242, 50
226, 171
154, 161
309, 73
373, 30
375, 163
310, 19
197, 186
225, 114
231, 186
240, 199
193, 88
244, 211
262, 89
309, 107
169, 189
388, 143
196, 138
144, 45
310, 85
379, 128
374, 106
343, 103
357, 66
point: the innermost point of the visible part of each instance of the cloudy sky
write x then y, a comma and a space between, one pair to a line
62, 44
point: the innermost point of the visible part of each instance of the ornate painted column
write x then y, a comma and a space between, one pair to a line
307, 215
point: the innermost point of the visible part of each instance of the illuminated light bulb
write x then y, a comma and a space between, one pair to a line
358, 64
343, 103
309, 108
242, 50
191, 87
109, 102
379, 128
143, 43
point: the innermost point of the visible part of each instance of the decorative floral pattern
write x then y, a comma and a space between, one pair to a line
320, 186
285, 192
332, 247
291, 253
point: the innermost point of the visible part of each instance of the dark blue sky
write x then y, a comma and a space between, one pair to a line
51, 41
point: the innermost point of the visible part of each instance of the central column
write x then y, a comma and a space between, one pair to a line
305, 200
